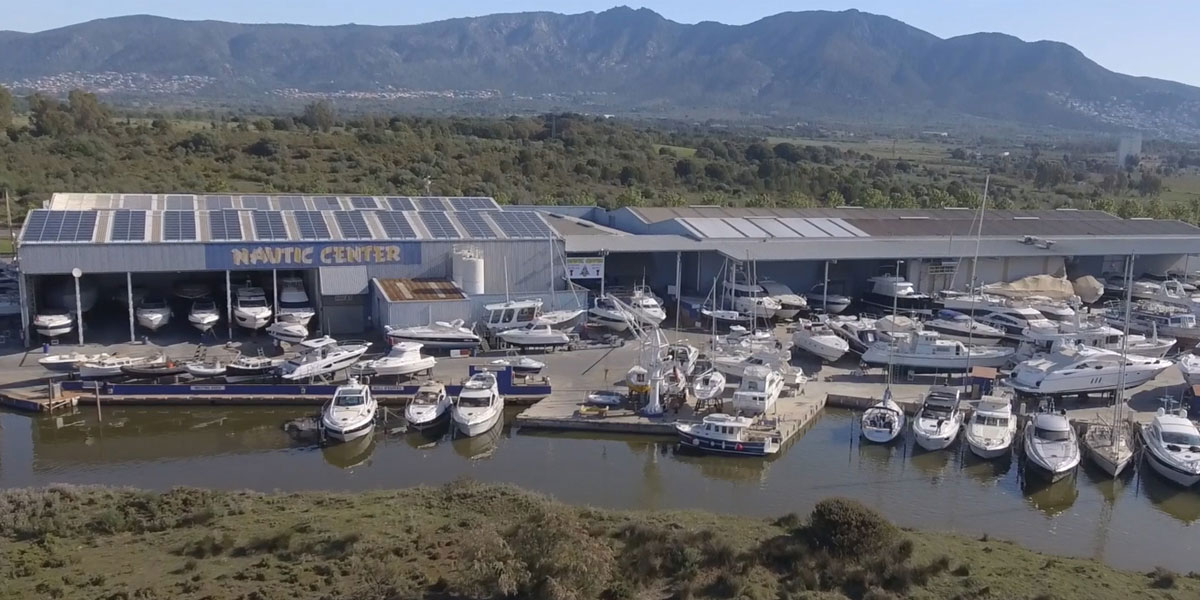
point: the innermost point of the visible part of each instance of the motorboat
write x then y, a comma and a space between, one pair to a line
351, 413
251, 368
205, 368
294, 305
1054, 310
322, 356
521, 365
1173, 446
1014, 320
250, 308
888, 291
683, 356
791, 304
927, 351
939, 419
709, 385
735, 364
1156, 318
758, 392
53, 322
1110, 446
445, 335
1189, 365
111, 366
535, 336
429, 408
291, 332
513, 314
604, 398
757, 307
1051, 446
746, 340
153, 313
204, 314
1082, 370
970, 302
883, 421
820, 341
728, 318
1044, 340
725, 434
404, 358
859, 332
479, 405
826, 301
154, 369
605, 312
992, 427
952, 325
69, 361
646, 308
1169, 292
191, 290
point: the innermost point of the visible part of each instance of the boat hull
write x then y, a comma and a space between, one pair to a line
472, 428
610, 321
703, 444
1045, 473
988, 452
441, 343
203, 322
824, 351
914, 304
398, 369
1170, 472
977, 339
934, 442
350, 433
835, 306
54, 331
251, 320
423, 423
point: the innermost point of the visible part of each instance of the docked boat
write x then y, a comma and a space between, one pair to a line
54, 322
204, 314
709, 385
889, 291
322, 356
606, 313
883, 421
939, 419
252, 368
644, 307
445, 335
820, 341
1173, 446
294, 305
429, 408
791, 304
859, 332
972, 302
740, 339
535, 336
952, 325
758, 392
154, 369
927, 351
291, 332
404, 358
725, 434
683, 356
990, 431
1155, 318
1050, 445
205, 368
1014, 320
351, 413
479, 406
1082, 370
111, 366
1054, 310
521, 365
513, 314
826, 301
68, 362
735, 364
153, 313
250, 309
191, 290
1189, 365
1110, 446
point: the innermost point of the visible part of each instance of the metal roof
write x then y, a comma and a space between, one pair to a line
419, 290
344, 281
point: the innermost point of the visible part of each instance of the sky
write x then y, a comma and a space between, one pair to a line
1156, 38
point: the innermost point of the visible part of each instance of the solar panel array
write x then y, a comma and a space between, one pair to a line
364, 202
326, 203
524, 224
311, 225
353, 225
290, 203
475, 225
179, 226
217, 202
139, 201
260, 201
396, 225
60, 226
128, 226
268, 225
401, 204
180, 203
224, 225
439, 225
430, 204
256, 202
473, 203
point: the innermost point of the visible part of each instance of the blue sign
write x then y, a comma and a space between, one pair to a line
300, 256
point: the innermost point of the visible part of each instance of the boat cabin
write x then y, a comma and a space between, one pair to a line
350, 395
511, 314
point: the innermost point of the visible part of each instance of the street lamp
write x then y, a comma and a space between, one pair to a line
77, 273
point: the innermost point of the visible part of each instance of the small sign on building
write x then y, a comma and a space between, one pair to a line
585, 267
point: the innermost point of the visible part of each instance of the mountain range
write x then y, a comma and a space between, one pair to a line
792, 65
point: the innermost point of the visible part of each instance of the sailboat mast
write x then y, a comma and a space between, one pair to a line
1120, 398
974, 269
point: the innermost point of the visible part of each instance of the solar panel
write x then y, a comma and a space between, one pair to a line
137, 201
35, 224
475, 225
311, 224
60, 226
430, 204
216, 202
523, 224
180, 203
352, 224
364, 202
179, 226
290, 203
224, 225
128, 226
268, 225
473, 203
396, 225
439, 225
400, 203
256, 202
326, 203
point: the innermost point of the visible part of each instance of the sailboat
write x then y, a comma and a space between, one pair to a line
1110, 445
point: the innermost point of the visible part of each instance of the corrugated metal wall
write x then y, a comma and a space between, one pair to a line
49, 259
404, 314
528, 264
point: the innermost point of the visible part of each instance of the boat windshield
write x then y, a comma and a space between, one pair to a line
1181, 438
287, 304
205, 306
425, 399
1050, 435
935, 412
350, 399
991, 421
252, 303
474, 401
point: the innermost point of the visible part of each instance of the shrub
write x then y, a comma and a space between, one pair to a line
962, 570
1162, 579
563, 561
847, 528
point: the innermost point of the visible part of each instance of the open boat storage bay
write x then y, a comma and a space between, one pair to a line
1137, 522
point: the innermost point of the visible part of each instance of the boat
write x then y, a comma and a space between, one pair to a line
205, 368
953, 325
445, 335
153, 313
791, 304
990, 431
250, 308
1172, 445
883, 421
734, 364
291, 332
1054, 310
70, 361
479, 405
1014, 320
740, 339
971, 302
709, 385
204, 314
725, 434
1189, 365
521, 365
250, 368
53, 322
322, 356
1050, 444
1082, 370
294, 305
939, 419
859, 332
606, 313
429, 408
604, 398
758, 392
1110, 446
683, 356
191, 290
351, 413
888, 291
818, 339
927, 351
111, 366
1155, 318
833, 304
644, 307
757, 307
1044, 340
535, 336
728, 318
403, 359
513, 314
1169, 292
154, 369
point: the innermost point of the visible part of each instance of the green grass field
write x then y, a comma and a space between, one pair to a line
680, 151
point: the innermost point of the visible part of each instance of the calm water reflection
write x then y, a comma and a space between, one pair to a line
1136, 522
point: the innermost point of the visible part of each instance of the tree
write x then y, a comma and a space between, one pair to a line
788, 152
757, 151
1149, 184
684, 167
958, 154
6, 107
86, 111
47, 117
319, 115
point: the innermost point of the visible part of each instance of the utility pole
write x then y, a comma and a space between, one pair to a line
12, 235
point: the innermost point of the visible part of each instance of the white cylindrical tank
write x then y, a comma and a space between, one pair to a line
467, 267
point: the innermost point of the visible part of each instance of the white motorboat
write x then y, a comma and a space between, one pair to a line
758, 392
740, 339
1169, 292
939, 419
53, 322
859, 332
644, 307
709, 385
111, 366
889, 291
1014, 320
204, 314
1173, 446
725, 434
205, 368
445, 335
1155, 318
351, 413
294, 305
560, 319
606, 313
791, 304
190, 290
992, 427
952, 325
927, 351
535, 336
604, 398
429, 408
1044, 340
1189, 365
827, 302
1051, 446
1109, 446
728, 318
479, 405
250, 309
513, 314
819, 340
251, 368
521, 365
757, 307
972, 302
683, 356
403, 359
733, 365
322, 356
153, 313
291, 332
68, 362
1082, 370
883, 421
1054, 310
